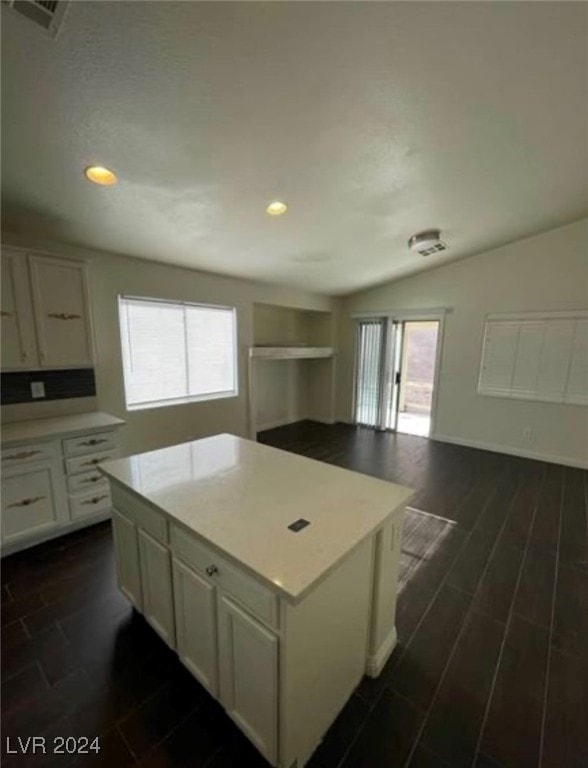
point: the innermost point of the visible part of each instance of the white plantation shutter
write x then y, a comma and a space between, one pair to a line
173, 352
536, 356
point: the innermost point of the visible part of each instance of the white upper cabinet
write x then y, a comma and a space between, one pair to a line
45, 312
61, 308
19, 344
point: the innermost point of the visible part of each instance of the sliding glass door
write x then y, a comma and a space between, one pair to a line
373, 379
395, 374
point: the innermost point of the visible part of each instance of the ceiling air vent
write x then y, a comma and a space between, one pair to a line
48, 14
427, 242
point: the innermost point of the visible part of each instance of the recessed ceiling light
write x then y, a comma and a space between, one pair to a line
277, 208
100, 175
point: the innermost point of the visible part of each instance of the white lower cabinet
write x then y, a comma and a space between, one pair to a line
248, 667
32, 501
45, 493
282, 670
126, 551
196, 636
156, 584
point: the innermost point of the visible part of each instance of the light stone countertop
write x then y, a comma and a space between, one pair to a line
58, 426
240, 496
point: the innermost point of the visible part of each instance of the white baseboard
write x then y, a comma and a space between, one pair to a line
375, 662
510, 451
292, 420
276, 423
318, 419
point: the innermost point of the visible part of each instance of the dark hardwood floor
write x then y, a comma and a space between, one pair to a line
491, 668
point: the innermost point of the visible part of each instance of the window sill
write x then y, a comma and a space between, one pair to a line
180, 401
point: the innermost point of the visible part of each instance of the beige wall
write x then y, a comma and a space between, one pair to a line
545, 272
113, 274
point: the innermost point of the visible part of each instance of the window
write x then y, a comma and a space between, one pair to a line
536, 356
176, 352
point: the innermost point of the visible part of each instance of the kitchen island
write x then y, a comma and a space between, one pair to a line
273, 577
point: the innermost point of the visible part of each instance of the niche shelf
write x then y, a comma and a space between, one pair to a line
291, 352
291, 367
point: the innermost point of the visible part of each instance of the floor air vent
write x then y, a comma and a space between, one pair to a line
47, 14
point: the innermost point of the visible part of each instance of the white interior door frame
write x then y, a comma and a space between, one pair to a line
398, 316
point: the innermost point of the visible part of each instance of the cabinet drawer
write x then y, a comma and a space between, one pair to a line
92, 480
255, 596
90, 503
101, 441
84, 463
145, 517
28, 454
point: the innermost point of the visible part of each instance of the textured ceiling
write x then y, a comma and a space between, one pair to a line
371, 120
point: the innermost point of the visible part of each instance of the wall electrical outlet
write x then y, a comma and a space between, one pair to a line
37, 389
528, 435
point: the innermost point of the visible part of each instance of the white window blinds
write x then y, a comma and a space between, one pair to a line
176, 352
536, 357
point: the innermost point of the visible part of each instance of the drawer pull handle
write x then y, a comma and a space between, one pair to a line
96, 499
212, 570
94, 441
27, 502
4, 313
21, 455
93, 462
64, 316
93, 479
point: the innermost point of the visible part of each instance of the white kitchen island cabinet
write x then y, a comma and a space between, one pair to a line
273, 576
195, 604
126, 552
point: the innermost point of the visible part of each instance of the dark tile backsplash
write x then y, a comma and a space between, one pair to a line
77, 382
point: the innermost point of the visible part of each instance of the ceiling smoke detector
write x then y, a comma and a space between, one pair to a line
427, 242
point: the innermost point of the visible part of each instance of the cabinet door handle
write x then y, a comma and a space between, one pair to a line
212, 570
64, 316
96, 499
94, 441
4, 313
26, 502
21, 455
93, 462
93, 479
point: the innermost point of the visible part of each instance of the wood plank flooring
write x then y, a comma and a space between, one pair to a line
491, 669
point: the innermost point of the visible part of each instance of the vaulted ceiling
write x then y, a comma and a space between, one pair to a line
371, 120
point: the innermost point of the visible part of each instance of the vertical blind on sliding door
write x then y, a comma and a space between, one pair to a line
369, 373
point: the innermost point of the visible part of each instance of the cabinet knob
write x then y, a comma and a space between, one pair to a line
211, 570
